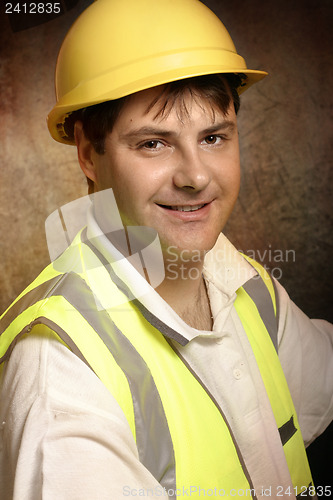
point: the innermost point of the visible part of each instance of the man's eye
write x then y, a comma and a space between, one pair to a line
212, 139
151, 145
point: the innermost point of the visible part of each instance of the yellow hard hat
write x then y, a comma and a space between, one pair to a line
118, 47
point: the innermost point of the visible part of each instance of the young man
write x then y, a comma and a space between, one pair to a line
119, 381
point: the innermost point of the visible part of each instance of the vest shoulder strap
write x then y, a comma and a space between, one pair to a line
261, 289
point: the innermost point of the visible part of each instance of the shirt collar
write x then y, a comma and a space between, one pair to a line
225, 270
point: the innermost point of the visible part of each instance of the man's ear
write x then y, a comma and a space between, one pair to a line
85, 152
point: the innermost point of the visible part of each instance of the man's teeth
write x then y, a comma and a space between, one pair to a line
187, 208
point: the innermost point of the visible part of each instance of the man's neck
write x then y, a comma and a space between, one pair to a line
185, 291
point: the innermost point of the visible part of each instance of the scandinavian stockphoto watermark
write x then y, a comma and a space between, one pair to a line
272, 259
139, 246
224, 265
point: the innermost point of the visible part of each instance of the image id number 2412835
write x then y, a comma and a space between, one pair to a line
32, 8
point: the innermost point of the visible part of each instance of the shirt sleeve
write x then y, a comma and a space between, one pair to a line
63, 435
306, 355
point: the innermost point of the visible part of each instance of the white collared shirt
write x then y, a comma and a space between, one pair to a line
63, 435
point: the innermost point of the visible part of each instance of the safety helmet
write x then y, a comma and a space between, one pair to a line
118, 47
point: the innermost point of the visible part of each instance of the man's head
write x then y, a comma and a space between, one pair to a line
136, 65
171, 158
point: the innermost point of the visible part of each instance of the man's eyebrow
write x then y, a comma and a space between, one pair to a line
147, 131
154, 131
220, 126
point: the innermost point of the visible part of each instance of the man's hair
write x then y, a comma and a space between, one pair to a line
98, 120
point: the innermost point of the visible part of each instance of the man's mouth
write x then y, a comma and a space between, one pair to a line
183, 208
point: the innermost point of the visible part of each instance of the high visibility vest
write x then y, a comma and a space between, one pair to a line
182, 435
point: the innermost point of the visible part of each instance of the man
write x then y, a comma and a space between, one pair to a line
117, 381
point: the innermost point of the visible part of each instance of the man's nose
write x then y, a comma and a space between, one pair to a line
192, 172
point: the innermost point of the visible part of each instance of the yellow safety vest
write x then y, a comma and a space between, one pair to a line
182, 435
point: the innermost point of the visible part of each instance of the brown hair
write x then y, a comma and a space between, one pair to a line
99, 119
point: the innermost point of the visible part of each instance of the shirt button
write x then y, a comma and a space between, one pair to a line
237, 373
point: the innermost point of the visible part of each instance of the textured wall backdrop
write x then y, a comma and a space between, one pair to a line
283, 217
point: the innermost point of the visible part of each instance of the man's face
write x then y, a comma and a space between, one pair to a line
178, 174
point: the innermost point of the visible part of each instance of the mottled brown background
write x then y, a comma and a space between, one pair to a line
285, 132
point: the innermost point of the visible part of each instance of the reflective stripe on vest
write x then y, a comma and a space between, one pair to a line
178, 440
274, 380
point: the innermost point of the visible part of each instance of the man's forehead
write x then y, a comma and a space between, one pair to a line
157, 104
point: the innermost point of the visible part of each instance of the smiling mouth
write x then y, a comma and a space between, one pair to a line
183, 208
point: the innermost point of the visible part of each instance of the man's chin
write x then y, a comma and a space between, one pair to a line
187, 252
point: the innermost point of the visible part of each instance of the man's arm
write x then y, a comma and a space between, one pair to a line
63, 434
306, 355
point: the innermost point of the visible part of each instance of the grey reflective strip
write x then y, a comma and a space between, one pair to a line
239, 454
159, 325
41, 320
287, 430
151, 318
64, 336
46, 289
71, 287
29, 299
260, 295
277, 305
152, 431
153, 436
